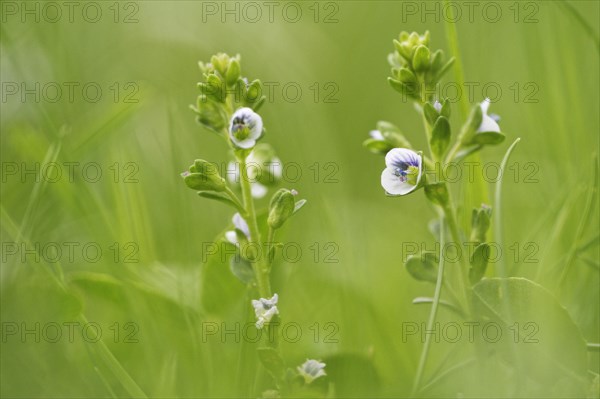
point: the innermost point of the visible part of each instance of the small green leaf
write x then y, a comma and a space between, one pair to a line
446, 109
430, 113
377, 146
423, 267
440, 136
488, 138
221, 198
472, 124
242, 269
479, 261
272, 361
444, 69
403, 89
407, 77
437, 60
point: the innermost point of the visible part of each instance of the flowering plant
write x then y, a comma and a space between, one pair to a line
228, 105
468, 293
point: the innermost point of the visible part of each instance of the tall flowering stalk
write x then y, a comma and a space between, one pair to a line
416, 70
227, 105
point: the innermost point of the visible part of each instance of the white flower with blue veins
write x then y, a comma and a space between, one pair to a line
311, 370
489, 123
240, 224
403, 171
245, 128
265, 309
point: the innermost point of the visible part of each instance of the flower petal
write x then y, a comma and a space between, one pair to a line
485, 104
258, 190
396, 156
392, 184
240, 223
231, 236
245, 144
376, 135
488, 125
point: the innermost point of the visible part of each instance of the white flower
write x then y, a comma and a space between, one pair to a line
240, 224
265, 309
488, 123
437, 106
376, 135
311, 370
245, 128
403, 171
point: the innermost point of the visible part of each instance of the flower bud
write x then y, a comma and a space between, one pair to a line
420, 60
281, 208
480, 223
233, 72
204, 176
220, 62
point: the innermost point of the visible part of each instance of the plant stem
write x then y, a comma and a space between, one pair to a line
501, 269
260, 271
450, 215
436, 300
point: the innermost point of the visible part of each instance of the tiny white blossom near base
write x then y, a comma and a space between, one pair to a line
311, 370
488, 122
403, 171
437, 106
240, 224
265, 309
245, 128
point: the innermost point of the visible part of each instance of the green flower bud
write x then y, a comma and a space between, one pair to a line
215, 88
420, 60
254, 92
220, 62
480, 223
233, 72
281, 208
204, 176
202, 182
210, 114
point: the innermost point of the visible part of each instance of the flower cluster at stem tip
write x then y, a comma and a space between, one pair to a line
416, 70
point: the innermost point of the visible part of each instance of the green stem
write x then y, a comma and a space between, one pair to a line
501, 269
450, 214
235, 199
270, 238
260, 271
436, 300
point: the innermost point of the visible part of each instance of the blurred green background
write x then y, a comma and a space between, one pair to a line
151, 228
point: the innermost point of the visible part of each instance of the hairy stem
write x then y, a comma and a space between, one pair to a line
436, 301
259, 265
